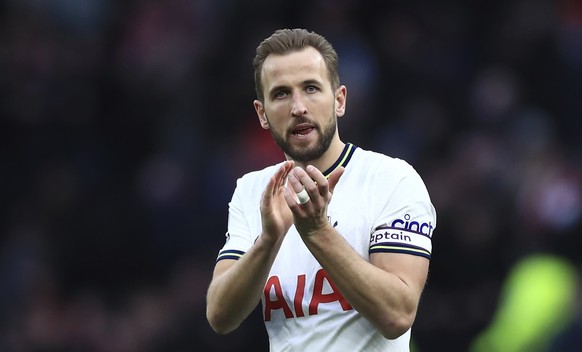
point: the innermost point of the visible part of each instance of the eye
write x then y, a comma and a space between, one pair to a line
311, 89
279, 94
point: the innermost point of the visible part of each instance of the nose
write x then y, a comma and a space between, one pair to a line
298, 108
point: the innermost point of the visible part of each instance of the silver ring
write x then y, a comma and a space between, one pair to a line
303, 197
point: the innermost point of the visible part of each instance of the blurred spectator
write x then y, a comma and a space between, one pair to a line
537, 301
122, 124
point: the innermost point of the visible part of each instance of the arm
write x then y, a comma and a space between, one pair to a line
236, 286
385, 290
399, 278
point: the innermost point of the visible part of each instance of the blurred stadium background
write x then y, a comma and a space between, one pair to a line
124, 125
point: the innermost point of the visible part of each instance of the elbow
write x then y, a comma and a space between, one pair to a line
397, 327
221, 330
394, 332
219, 323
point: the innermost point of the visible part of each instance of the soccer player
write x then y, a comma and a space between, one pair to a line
335, 240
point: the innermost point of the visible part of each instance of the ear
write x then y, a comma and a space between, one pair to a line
260, 109
340, 100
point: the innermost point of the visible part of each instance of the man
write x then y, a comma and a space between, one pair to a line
336, 240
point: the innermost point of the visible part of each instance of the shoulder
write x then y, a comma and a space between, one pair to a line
257, 178
250, 186
378, 163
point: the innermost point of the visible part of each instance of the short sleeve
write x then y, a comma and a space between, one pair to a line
407, 221
239, 237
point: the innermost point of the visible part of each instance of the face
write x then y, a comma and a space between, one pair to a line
300, 107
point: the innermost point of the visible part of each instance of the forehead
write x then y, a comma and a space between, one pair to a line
297, 66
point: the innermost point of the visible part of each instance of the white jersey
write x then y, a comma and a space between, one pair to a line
380, 204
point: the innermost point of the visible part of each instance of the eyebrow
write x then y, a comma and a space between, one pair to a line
312, 82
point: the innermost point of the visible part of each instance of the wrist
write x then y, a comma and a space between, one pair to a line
319, 232
267, 241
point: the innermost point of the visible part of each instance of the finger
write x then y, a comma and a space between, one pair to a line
319, 179
277, 181
309, 190
286, 168
305, 179
291, 198
269, 192
281, 175
334, 177
300, 193
294, 182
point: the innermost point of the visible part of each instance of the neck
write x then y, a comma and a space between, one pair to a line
327, 159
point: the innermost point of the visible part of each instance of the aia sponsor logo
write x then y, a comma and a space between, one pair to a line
275, 300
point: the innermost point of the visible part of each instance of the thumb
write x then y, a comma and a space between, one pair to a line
334, 177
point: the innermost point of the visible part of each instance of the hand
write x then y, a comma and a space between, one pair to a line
311, 216
275, 214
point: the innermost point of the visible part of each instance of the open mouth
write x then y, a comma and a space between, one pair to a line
302, 130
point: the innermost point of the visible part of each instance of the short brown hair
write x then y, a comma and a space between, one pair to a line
284, 41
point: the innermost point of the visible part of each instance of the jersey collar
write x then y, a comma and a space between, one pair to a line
343, 159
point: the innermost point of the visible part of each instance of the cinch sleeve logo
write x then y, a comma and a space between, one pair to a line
424, 228
402, 236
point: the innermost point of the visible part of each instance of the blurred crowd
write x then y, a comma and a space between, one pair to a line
124, 126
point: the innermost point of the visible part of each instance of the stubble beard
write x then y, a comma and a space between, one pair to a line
306, 154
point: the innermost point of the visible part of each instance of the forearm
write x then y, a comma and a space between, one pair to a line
381, 296
236, 291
